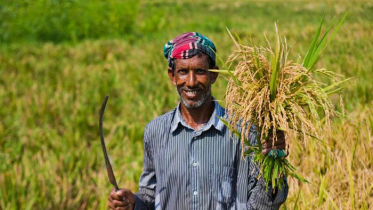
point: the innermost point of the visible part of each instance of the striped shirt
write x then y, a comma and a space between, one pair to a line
188, 169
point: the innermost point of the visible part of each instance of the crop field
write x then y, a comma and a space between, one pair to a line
58, 60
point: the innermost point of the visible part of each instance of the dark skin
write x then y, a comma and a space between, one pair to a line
193, 81
123, 199
280, 143
193, 74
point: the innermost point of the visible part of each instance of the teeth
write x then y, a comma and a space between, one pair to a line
191, 92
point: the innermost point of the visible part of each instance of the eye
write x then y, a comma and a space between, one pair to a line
201, 71
182, 71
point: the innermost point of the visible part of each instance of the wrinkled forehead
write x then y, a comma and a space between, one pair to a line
199, 61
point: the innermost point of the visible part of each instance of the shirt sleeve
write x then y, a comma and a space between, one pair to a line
145, 197
258, 197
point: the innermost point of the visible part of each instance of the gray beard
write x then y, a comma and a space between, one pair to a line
199, 102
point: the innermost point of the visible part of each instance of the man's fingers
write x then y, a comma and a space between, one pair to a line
277, 146
111, 204
265, 151
280, 143
127, 194
123, 203
115, 204
280, 139
118, 195
267, 144
283, 147
115, 197
121, 199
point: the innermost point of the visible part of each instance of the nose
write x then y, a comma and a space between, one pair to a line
191, 80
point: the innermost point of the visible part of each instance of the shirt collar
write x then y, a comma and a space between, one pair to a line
213, 121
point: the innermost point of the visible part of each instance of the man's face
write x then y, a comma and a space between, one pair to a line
193, 80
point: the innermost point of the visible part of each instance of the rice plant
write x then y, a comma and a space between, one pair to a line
274, 93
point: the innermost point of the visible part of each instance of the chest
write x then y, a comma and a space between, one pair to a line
186, 155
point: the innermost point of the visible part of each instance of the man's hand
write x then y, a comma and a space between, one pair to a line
278, 144
123, 199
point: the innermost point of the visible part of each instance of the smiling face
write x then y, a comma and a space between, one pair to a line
193, 80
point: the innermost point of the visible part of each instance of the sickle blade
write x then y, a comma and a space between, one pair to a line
109, 169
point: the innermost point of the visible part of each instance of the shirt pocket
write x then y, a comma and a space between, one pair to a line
222, 183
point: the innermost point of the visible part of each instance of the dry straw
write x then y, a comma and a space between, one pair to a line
268, 90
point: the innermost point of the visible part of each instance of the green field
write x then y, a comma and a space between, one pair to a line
58, 59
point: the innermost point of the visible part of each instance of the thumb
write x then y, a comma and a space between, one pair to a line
119, 193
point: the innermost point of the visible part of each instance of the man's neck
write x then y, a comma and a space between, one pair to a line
196, 118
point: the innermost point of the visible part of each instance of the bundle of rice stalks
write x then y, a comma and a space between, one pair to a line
268, 90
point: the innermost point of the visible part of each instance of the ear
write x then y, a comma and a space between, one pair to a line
171, 74
214, 75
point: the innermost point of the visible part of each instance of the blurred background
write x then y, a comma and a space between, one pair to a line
59, 58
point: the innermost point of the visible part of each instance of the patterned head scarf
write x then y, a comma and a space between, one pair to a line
187, 45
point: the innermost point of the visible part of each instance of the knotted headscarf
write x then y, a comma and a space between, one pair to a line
187, 45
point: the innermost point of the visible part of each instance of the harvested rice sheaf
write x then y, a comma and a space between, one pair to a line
272, 92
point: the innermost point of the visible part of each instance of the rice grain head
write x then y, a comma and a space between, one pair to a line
299, 106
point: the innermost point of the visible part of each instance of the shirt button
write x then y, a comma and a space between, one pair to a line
195, 193
195, 164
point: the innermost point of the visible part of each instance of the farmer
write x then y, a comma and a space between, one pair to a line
191, 161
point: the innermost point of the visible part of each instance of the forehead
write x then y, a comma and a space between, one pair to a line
195, 62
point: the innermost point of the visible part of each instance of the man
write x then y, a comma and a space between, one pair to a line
191, 161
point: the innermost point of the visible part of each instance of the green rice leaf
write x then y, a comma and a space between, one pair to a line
238, 38
320, 46
275, 171
227, 72
238, 134
313, 45
334, 91
334, 85
336, 29
317, 47
235, 42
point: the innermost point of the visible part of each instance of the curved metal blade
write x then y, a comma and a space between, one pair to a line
109, 169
